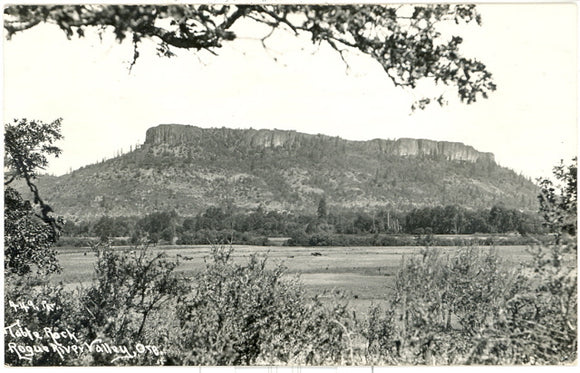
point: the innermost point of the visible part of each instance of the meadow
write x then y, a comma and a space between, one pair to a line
365, 275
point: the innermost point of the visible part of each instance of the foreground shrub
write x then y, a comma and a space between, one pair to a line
129, 299
441, 301
249, 314
126, 304
467, 307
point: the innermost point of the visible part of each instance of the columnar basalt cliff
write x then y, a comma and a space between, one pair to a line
449, 150
173, 134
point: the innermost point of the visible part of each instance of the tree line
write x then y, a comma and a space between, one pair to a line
225, 224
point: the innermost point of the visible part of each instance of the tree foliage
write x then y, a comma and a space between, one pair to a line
559, 200
403, 39
128, 300
322, 210
338, 228
130, 292
30, 229
468, 307
247, 314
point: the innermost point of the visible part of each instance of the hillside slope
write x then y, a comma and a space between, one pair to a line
188, 168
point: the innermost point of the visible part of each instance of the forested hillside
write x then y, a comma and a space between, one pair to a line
188, 169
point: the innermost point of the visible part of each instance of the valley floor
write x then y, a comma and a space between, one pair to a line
364, 274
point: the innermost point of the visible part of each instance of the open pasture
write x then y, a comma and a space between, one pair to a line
364, 274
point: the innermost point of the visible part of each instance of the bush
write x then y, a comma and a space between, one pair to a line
128, 302
129, 299
248, 314
469, 308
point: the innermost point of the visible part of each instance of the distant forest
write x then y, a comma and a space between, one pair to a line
218, 224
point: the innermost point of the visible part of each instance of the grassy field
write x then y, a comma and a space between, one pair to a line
364, 274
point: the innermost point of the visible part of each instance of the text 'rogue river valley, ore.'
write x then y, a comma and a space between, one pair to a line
28, 342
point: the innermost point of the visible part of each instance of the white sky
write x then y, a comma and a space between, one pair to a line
529, 123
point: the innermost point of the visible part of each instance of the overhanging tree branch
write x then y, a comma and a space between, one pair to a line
403, 39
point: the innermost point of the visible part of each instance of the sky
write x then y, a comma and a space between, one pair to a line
529, 123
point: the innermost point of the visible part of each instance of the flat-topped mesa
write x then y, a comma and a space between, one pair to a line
175, 134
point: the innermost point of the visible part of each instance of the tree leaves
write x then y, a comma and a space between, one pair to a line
29, 233
558, 201
28, 143
403, 39
27, 239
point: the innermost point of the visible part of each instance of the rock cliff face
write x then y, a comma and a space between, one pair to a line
449, 150
174, 134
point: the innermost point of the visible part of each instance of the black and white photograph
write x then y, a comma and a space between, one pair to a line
301, 184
